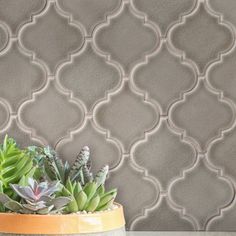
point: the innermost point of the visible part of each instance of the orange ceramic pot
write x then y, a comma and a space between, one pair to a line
106, 221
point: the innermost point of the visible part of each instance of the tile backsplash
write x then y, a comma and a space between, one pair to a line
149, 85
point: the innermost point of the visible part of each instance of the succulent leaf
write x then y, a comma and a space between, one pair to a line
24, 192
66, 171
101, 176
45, 211
80, 161
13, 206
90, 189
34, 207
1, 187
81, 199
49, 169
107, 198
65, 192
72, 206
101, 190
93, 204
4, 198
77, 188
105, 206
87, 175
14, 162
69, 186
59, 202
48, 189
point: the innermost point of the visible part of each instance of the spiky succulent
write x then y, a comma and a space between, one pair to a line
82, 161
14, 163
35, 198
54, 167
89, 198
80, 171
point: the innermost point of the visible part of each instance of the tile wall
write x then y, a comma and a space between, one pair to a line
149, 85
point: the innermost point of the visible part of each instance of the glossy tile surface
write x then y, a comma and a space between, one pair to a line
149, 85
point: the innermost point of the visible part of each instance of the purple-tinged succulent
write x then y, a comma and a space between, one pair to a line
36, 198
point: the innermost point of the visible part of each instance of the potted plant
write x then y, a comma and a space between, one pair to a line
41, 194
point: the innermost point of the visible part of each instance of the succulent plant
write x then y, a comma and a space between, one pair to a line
71, 188
36, 198
88, 193
14, 163
101, 175
82, 161
54, 167
92, 197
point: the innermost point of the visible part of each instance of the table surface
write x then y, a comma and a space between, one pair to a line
181, 233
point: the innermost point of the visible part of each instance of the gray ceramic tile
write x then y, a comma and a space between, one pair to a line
157, 77
23, 137
222, 75
30, 76
201, 182
164, 13
4, 37
224, 9
126, 116
201, 37
4, 114
89, 76
170, 155
149, 85
50, 106
225, 221
17, 13
202, 115
89, 13
222, 154
127, 38
163, 216
60, 37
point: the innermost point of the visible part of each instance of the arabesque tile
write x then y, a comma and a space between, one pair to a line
126, 37
149, 85
89, 13
164, 154
18, 84
16, 13
202, 36
60, 38
89, 76
163, 217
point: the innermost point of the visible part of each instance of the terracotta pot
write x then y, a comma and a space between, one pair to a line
109, 223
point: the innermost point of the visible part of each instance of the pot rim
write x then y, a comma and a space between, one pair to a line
62, 224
